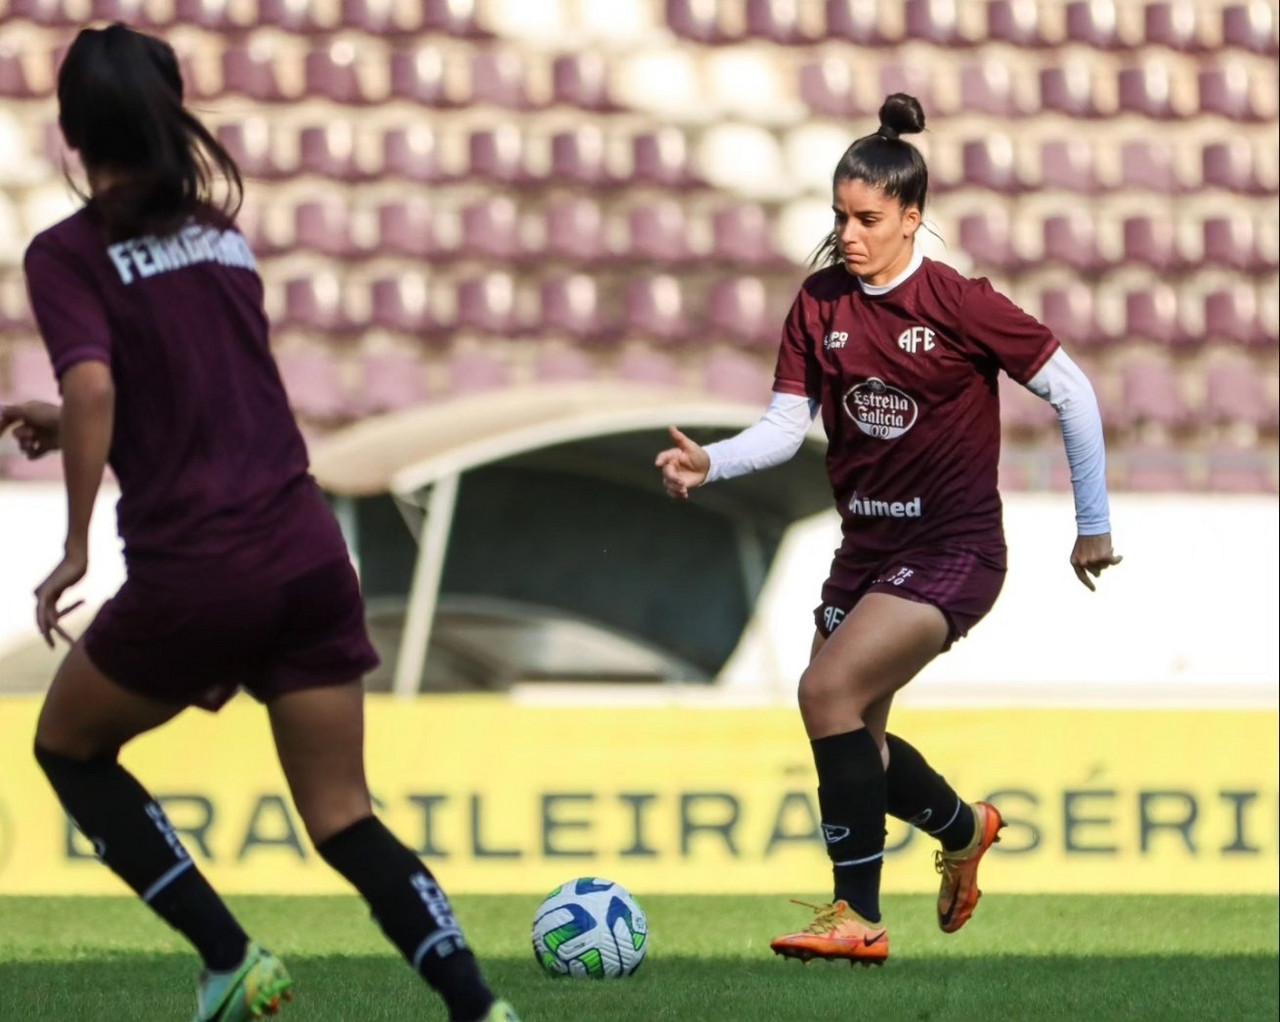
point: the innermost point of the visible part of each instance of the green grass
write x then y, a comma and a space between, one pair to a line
1038, 958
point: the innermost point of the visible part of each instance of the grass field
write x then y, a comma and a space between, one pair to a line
1038, 958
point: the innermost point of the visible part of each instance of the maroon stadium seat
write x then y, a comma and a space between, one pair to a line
987, 87
934, 21
330, 71
582, 80
826, 87
1068, 311
738, 376
406, 227
741, 234
472, 371
53, 13
775, 20
315, 304
1070, 238
579, 157
330, 151
1146, 91
1068, 89
403, 303
413, 152
251, 72
134, 13
1250, 26
855, 21
314, 383
14, 83
491, 229
564, 364
1069, 164
1149, 468
987, 237
1241, 470
498, 78
661, 157
1226, 90
1093, 24
1151, 314
210, 15
659, 233
1148, 166
910, 77
739, 309
419, 75
487, 304
990, 163
1022, 410
374, 17
1231, 241
497, 155
1231, 315
692, 19
1230, 165
1016, 22
295, 16
451, 17
576, 230
571, 305
1172, 24
655, 309
1151, 240
324, 226
251, 146
390, 381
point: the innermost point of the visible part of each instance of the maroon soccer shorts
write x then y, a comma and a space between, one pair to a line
963, 584
308, 632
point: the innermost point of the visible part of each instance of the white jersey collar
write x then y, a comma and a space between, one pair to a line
917, 257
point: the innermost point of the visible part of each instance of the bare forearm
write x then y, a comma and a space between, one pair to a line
88, 414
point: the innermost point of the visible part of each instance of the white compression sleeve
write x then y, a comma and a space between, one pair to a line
771, 441
1064, 385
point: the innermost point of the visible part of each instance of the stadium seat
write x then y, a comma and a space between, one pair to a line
51, 13
661, 157
659, 232
1151, 314
1068, 88
497, 155
1231, 315
473, 370
14, 83
987, 237
498, 79
30, 374
487, 304
324, 226
299, 17
655, 309
403, 303
934, 21
1022, 411
579, 157
562, 363
1147, 90
1151, 241
418, 75
827, 88
135, 13
581, 80
1250, 26
210, 15
1235, 392
1172, 24
741, 233
576, 230
1148, 166
986, 87
1068, 311
376, 18
390, 381
1232, 241
571, 305
696, 20
316, 303
453, 18
251, 143
330, 151
1093, 23
251, 71
990, 163
1151, 393
406, 227
491, 229
1151, 468
1068, 164
857, 21
916, 80
738, 377
739, 309
1226, 90
1016, 22
1230, 165
331, 71
314, 383
777, 21
1070, 238
413, 152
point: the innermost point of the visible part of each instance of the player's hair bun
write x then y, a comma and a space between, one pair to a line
901, 114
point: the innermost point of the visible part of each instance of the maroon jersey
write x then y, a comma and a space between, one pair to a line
214, 483
907, 384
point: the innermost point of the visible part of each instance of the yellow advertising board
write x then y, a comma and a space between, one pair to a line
499, 797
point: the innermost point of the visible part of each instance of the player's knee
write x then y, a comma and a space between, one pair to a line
53, 743
335, 812
821, 689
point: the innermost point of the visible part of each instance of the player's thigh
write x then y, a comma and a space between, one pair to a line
86, 715
319, 736
881, 645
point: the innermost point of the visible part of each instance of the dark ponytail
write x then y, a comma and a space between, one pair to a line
120, 105
885, 161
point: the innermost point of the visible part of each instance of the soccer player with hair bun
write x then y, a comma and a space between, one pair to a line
900, 355
150, 304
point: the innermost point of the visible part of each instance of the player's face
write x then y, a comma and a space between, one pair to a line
874, 232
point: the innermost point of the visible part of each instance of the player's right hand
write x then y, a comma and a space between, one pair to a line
35, 426
684, 466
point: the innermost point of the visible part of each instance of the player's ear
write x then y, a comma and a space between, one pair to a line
911, 221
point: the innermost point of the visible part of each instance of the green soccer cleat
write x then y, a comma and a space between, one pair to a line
253, 989
501, 1011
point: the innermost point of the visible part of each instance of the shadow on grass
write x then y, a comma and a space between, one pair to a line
683, 989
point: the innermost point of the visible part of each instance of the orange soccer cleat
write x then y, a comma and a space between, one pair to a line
959, 894
837, 932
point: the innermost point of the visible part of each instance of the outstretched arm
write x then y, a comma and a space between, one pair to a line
1064, 385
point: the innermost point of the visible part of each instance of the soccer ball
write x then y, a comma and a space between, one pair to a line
590, 927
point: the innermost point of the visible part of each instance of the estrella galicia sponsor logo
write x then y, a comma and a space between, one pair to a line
880, 410
868, 508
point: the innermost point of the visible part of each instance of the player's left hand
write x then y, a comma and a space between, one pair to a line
1092, 555
49, 592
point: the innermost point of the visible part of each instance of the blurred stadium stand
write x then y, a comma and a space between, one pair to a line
460, 195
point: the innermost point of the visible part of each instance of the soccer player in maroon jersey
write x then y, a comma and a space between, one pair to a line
900, 354
150, 304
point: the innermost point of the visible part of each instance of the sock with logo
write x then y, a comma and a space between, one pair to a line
851, 797
921, 796
135, 839
412, 910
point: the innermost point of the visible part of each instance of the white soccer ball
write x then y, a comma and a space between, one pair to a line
590, 927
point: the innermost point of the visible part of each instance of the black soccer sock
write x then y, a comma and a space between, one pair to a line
921, 796
132, 835
851, 796
413, 912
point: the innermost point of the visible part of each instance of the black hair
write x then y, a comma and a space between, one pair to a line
883, 159
120, 104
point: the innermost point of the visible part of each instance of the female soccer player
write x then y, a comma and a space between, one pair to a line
900, 354
151, 308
